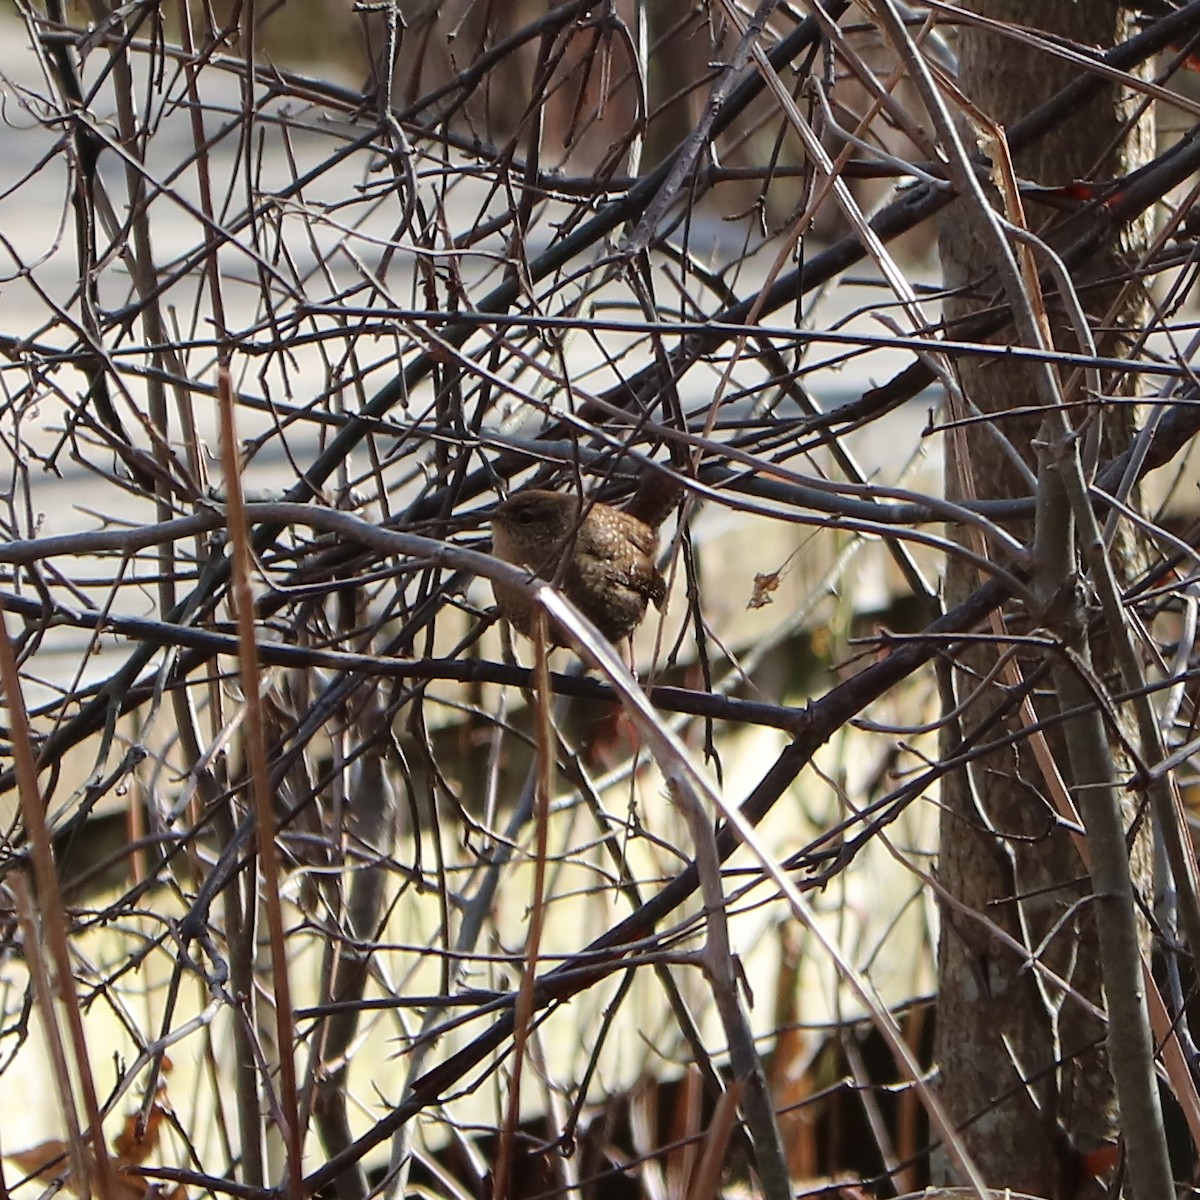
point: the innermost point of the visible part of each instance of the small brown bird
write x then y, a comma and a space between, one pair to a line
609, 573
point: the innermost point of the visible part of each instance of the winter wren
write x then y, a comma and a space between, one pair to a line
609, 573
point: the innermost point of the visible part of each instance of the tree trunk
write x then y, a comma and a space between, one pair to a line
1024, 1070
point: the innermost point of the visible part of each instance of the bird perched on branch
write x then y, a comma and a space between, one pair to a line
609, 572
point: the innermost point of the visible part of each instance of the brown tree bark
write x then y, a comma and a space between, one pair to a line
1024, 1070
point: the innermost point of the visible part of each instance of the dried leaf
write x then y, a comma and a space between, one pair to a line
46, 1160
130, 1147
764, 585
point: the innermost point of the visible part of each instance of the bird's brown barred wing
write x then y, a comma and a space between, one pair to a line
611, 532
647, 581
